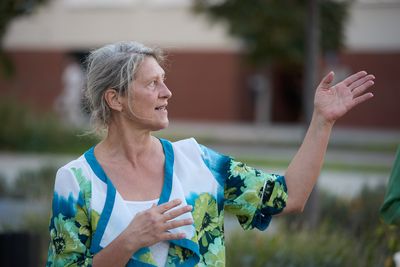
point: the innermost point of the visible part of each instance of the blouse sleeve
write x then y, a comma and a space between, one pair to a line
252, 195
70, 231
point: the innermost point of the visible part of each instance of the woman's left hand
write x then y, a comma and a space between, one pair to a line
332, 102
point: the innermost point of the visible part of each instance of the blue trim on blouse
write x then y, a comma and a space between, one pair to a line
109, 203
168, 171
111, 190
104, 218
110, 200
95, 165
188, 244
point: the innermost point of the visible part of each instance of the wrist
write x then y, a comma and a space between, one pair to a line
321, 122
128, 244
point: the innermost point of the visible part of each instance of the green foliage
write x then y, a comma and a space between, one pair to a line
24, 131
288, 248
350, 234
333, 16
274, 31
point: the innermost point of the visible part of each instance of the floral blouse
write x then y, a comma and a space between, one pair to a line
88, 212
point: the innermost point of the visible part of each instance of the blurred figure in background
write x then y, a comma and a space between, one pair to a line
137, 200
69, 102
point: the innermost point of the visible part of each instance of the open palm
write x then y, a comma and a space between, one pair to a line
332, 102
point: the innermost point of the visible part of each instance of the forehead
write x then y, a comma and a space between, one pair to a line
149, 68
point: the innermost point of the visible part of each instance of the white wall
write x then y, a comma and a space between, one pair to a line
81, 24
374, 25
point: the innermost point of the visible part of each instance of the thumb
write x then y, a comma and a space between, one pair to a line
327, 80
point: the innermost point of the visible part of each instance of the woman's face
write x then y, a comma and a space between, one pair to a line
149, 96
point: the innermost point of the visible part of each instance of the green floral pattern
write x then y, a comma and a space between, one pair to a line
206, 219
70, 226
215, 255
252, 195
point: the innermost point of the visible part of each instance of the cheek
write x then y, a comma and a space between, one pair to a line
142, 102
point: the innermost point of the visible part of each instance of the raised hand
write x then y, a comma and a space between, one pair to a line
152, 226
333, 101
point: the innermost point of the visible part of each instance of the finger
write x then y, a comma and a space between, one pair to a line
177, 223
327, 80
168, 205
361, 89
170, 236
361, 81
362, 98
176, 212
354, 77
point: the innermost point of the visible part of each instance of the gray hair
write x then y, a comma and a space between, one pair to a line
112, 66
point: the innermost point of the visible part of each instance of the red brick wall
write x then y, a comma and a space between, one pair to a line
37, 78
207, 86
383, 110
213, 86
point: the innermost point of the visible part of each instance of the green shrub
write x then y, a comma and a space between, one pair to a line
350, 233
24, 130
320, 248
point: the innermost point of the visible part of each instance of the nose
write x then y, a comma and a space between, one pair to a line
165, 92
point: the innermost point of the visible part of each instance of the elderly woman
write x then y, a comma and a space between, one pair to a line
136, 200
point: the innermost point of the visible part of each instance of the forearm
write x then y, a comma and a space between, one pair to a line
117, 253
305, 167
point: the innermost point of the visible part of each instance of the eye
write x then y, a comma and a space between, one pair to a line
153, 83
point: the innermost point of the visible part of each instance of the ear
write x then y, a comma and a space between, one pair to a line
113, 99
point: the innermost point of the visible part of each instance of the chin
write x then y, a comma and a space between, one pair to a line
160, 126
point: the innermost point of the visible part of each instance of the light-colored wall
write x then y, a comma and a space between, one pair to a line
83, 24
373, 25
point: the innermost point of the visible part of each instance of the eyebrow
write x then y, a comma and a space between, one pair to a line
155, 76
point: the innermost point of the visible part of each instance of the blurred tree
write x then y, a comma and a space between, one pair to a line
274, 31
10, 9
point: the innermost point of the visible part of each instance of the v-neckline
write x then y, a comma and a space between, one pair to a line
168, 170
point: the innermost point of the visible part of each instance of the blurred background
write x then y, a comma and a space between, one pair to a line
243, 74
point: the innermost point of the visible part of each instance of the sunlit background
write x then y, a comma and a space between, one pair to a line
242, 74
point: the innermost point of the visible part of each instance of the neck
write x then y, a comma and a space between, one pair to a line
130, 144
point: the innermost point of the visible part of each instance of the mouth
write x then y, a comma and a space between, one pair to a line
161, 108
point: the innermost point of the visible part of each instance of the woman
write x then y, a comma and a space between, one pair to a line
136, 200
